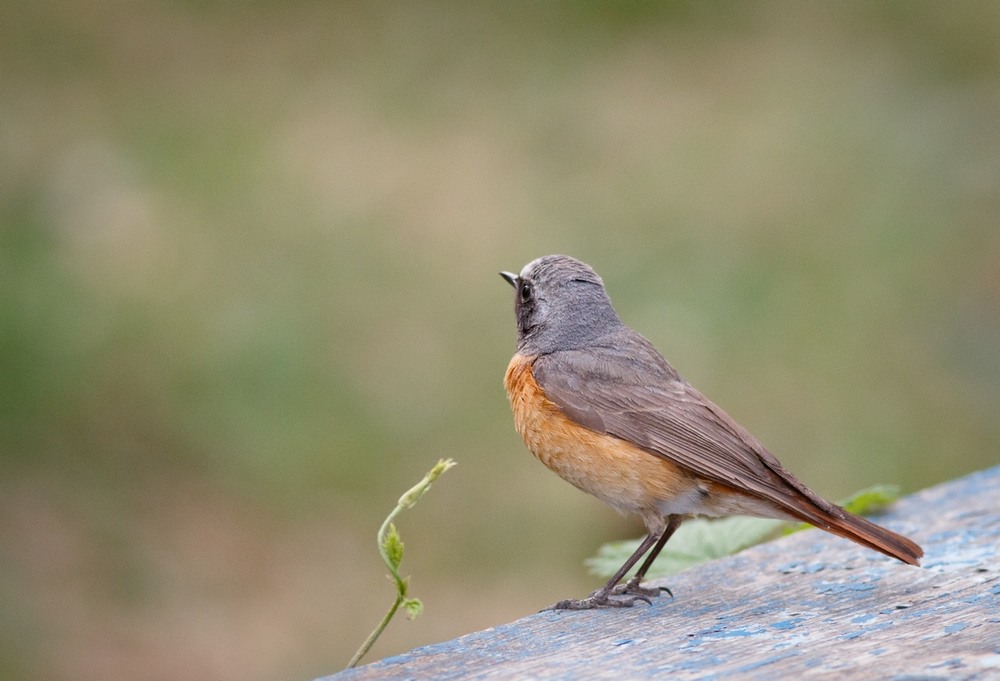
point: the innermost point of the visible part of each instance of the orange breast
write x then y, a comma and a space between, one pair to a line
615, 471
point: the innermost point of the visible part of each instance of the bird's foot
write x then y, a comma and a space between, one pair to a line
632, 587
599, 600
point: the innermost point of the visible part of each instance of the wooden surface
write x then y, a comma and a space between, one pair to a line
806, 605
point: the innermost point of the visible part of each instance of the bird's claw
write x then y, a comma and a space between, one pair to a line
597, 600
632, 587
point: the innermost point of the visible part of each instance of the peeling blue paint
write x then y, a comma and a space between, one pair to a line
955, 628
801, 568
851, 635
843, 588
716, 633
951, 663
786, 624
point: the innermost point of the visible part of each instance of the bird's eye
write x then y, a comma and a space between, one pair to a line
525, 293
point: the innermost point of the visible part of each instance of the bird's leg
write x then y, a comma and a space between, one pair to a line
602, 597
632, 585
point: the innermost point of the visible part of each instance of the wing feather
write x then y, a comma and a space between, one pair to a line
633, 394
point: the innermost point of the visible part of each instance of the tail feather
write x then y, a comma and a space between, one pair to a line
815, 510
867, 533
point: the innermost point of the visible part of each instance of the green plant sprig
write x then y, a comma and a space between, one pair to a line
390, 547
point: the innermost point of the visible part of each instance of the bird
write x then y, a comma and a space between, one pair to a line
596, 403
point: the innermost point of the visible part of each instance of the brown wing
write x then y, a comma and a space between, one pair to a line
632, 393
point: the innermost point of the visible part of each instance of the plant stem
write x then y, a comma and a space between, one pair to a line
392, 562
376, 632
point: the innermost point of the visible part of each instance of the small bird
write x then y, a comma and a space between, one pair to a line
596, 403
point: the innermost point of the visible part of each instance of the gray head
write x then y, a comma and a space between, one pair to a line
560, 304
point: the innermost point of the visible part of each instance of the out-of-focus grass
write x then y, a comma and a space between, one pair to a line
248, 290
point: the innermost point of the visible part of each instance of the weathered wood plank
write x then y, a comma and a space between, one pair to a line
808, 604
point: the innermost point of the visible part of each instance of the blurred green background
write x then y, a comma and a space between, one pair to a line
248, 292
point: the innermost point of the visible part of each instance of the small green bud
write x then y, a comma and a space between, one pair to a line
413, 494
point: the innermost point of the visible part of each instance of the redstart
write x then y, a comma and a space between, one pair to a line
596, 403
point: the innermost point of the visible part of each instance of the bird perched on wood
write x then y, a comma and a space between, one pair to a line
595, 402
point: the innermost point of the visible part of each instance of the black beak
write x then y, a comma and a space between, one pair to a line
510, 277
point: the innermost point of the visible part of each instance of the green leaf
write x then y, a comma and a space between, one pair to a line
871, 499
700, 540
696, 541
393, 546
414, 607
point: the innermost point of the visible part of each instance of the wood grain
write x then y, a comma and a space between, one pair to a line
806, 605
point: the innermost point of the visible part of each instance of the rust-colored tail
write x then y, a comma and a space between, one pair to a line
866, 533
808, 506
